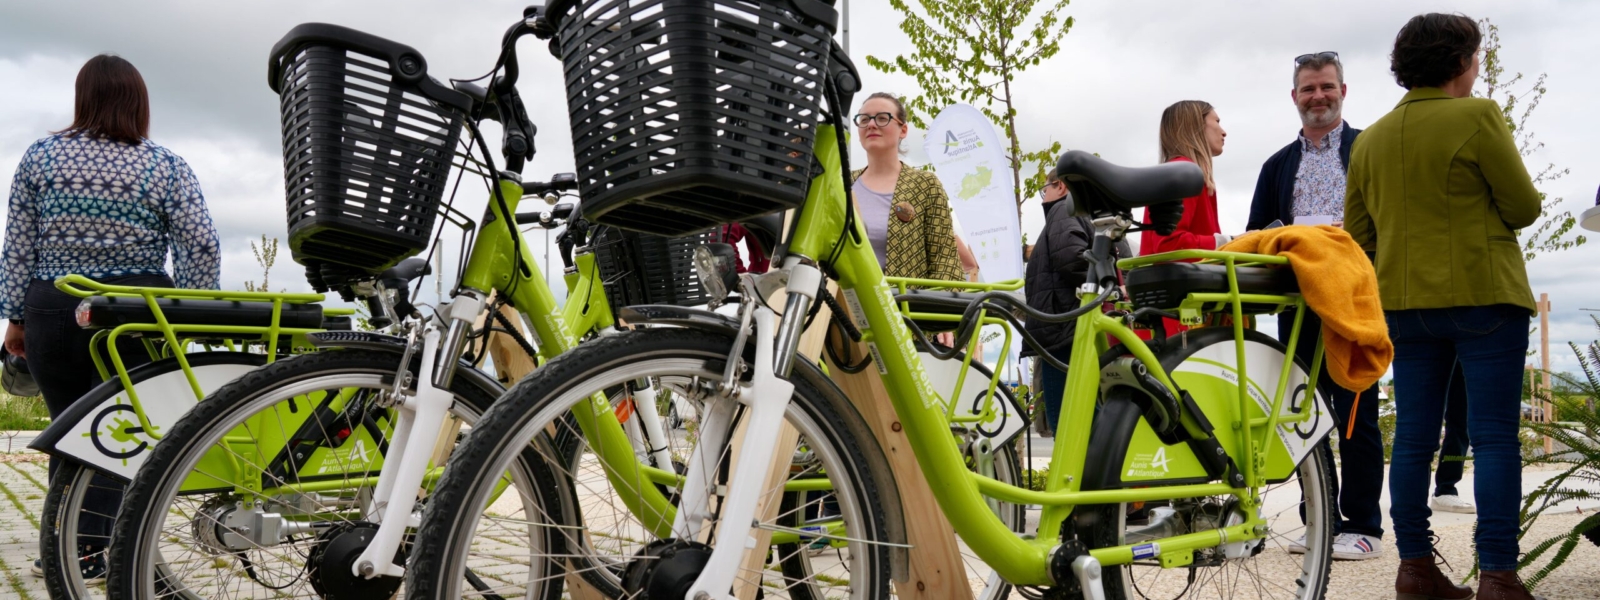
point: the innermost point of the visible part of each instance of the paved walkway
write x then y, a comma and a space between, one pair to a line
23, 476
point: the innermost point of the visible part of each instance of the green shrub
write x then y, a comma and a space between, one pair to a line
22, 413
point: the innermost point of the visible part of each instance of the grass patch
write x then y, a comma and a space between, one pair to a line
29, 476
14, 582
23, 413
17, 502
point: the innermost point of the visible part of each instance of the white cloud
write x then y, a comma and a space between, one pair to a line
1124, 61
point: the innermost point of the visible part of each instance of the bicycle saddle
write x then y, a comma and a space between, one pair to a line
1100, 187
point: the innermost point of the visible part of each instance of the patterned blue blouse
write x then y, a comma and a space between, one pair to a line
101, 208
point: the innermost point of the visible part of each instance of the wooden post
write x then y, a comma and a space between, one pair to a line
936, 569
511, 363
1544, 362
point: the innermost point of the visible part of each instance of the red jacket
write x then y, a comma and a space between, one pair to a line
1196, 231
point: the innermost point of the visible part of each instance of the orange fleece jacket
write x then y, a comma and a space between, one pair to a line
1340, 285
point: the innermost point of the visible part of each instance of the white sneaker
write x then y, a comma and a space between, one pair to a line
1298, 546
1355, 546
1453, 503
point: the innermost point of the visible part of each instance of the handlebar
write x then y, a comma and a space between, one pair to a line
547, 218
561, 182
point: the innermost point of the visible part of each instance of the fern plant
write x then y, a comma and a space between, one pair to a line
1578, 434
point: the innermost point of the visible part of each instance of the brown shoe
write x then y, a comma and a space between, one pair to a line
1421, 579
1503, 585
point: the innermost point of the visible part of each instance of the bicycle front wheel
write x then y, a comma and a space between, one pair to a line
266, 490
626, 517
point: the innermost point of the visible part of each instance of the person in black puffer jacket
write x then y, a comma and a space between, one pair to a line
1055, 271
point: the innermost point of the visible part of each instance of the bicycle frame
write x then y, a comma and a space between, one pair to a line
925, 417
491, 267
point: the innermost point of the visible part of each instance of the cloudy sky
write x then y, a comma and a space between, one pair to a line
1125, 60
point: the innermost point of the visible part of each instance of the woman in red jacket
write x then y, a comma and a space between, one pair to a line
1190, 131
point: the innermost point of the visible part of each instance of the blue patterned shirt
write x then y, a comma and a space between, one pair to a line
101, 208
1319, 185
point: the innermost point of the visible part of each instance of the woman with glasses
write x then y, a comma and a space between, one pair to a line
904, 209
1055, 271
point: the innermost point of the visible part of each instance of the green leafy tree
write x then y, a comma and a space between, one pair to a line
1552, 233
972, 51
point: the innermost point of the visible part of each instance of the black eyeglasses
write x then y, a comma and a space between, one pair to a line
1327, 55
882, 119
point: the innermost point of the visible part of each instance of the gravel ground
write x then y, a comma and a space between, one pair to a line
1579, 578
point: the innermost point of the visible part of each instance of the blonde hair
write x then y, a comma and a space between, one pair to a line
1183, 133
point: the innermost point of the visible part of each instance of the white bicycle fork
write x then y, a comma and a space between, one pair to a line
421, 417
767, 397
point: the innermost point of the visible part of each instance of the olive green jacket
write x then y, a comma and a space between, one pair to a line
924, 247
1438, 190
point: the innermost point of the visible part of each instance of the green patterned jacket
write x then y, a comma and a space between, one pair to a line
924, 247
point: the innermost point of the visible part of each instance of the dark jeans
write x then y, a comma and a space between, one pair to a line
1359, 484
1490, 342
1453, 455
58, 358
1053, 384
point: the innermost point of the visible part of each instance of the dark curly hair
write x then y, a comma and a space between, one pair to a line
1434, 48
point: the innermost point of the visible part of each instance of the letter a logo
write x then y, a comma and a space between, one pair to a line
1160, 460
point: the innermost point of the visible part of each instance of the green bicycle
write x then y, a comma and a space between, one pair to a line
197, 341
1178, 465
287, 482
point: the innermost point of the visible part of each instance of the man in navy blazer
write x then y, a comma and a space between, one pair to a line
1306, 179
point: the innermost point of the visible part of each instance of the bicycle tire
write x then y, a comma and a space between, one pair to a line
132, 565
59, 540
1107, 525
544, 397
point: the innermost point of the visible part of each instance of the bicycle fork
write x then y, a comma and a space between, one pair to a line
767, 396
421, 417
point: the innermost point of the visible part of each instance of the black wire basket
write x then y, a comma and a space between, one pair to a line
687, 114
640, 268
368, 141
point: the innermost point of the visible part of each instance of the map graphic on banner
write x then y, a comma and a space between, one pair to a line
968, 158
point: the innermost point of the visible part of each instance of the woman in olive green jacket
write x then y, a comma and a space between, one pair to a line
1437, 191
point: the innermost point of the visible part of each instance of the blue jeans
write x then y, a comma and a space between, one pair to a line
1453, 456
1491, 343
1053, 384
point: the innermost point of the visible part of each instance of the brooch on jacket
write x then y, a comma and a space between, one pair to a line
904, 211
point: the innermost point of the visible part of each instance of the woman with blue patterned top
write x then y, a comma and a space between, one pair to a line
100, 200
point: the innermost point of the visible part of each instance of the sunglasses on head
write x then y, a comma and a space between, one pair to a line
1327, 55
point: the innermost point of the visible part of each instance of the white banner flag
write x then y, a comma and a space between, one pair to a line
971, 164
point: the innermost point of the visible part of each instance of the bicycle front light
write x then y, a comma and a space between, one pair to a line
715, 264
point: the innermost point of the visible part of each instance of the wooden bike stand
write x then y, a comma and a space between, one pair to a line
936, 569
512, 364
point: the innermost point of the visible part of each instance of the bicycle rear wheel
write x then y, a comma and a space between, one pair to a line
1297, 509
621, 510
296, 448
79, 506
